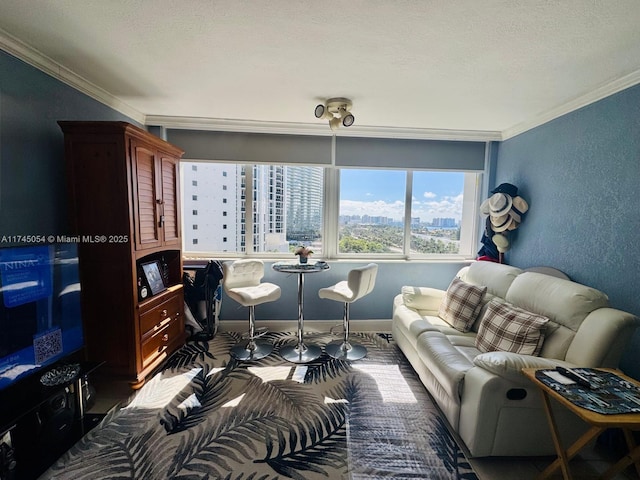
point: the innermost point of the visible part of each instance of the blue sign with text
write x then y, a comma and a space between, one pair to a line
26, 274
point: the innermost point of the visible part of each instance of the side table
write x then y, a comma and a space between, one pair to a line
628, 422
300, 352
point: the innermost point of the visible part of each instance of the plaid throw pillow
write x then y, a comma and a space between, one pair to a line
461, 304
508, 328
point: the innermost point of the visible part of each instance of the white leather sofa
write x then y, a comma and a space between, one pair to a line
487, 401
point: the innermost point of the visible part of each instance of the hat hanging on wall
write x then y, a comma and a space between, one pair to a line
501, 223
518, 208
507, 188
502, 242
496, 205
505, 211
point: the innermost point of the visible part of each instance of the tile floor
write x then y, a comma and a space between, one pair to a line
589, 464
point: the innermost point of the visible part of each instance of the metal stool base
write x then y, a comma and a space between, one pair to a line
297, 354
353, 352
241, 352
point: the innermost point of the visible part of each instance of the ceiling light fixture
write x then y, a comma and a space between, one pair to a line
337, 111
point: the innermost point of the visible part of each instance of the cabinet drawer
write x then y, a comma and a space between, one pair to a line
162, 342
159, 316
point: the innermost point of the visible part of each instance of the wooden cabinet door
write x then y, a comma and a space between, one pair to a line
146, 196
170, 215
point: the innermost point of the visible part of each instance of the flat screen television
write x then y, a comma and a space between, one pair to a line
40, 314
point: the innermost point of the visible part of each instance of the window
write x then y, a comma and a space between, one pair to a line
194, 183
194, 168
390, 213
371, 211
194, 241
436, 212
375, 219
194, 197
195, 227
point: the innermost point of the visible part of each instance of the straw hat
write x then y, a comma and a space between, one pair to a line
501, 242
496, 205
501, 223
519, 207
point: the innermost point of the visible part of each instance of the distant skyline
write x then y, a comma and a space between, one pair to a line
382, 193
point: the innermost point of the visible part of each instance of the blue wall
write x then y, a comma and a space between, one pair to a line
580, 174
32, 172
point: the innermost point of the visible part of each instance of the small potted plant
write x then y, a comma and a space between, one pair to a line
304, 253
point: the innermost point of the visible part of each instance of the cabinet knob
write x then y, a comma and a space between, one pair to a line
164, 313
165, 337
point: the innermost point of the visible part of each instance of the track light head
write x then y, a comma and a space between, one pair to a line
323, 112
348, 119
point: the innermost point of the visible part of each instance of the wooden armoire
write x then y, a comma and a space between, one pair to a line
124, 211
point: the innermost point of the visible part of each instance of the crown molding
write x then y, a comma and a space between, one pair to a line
33, 57
228, 125
599, 93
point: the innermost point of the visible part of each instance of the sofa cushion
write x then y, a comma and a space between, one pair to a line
508, 328
497, 277
509, 365
461, 304
446, 363
565, 302
422, 298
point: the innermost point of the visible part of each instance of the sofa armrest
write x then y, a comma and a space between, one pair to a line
422, 298
602, 337
509, 365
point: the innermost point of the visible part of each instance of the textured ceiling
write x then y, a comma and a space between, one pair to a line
466, 65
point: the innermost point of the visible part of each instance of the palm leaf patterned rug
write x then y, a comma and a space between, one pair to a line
208, 416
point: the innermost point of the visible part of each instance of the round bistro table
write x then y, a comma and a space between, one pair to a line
300, 352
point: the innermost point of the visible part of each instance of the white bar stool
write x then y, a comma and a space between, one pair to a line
241, 282
359, 283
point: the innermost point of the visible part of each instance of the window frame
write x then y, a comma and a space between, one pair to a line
470, 231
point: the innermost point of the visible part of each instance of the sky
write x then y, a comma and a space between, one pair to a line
382, 192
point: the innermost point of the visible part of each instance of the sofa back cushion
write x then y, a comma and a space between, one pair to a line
564, 302
495, 276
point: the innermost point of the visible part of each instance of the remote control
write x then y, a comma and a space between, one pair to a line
573, 375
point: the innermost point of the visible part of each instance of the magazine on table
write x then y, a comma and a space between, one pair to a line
596, 390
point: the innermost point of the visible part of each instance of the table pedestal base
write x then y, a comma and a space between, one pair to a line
352, 352
300, 353
241, 352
